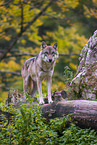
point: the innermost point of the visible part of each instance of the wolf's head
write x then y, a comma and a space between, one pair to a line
49, 53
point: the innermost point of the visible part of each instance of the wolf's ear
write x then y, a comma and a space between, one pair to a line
55, 46
43, 45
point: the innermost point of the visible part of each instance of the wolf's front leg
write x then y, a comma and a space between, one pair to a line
49, 82
39, 85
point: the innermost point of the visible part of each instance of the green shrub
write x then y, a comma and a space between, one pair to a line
76, 136
28, 127
68, 75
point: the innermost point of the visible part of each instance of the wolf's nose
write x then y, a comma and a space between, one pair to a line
50, 60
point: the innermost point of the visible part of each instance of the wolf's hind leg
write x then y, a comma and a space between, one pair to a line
25, 85
34, 89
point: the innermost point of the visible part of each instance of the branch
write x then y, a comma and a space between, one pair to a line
70, 54
22, 16
13, 50
25, 29
12, 72
57, 18
20, 55
5, 3
33, 55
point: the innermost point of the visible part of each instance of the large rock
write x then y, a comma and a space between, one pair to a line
85, 82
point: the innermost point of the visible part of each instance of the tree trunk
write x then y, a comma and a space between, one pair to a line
83, 112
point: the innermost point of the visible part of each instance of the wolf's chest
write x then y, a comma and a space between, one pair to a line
45, 75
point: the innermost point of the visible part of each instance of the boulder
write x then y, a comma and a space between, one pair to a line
84, 83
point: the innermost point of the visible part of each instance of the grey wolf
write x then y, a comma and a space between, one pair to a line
38, 68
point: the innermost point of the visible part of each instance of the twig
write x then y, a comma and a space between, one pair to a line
12, 72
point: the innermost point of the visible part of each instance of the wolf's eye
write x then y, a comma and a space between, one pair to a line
53, 53
46, 53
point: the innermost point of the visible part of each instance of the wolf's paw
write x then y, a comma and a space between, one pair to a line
50, 101
41, 102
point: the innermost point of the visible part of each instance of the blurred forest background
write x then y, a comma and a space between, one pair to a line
24, 24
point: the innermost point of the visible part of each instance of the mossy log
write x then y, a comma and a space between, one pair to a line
83, 112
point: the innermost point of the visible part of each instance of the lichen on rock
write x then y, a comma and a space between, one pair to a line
85, 81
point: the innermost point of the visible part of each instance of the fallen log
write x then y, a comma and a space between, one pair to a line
83, 112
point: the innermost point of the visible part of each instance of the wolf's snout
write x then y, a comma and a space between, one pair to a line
50, 60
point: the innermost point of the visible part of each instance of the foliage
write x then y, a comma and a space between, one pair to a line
76, 136
68, 22
28, 127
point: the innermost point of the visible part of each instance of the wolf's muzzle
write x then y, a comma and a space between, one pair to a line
50, 60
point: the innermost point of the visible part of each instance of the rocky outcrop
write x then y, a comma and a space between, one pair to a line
85, 82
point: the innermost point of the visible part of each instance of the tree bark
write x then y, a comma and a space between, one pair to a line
83, 112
